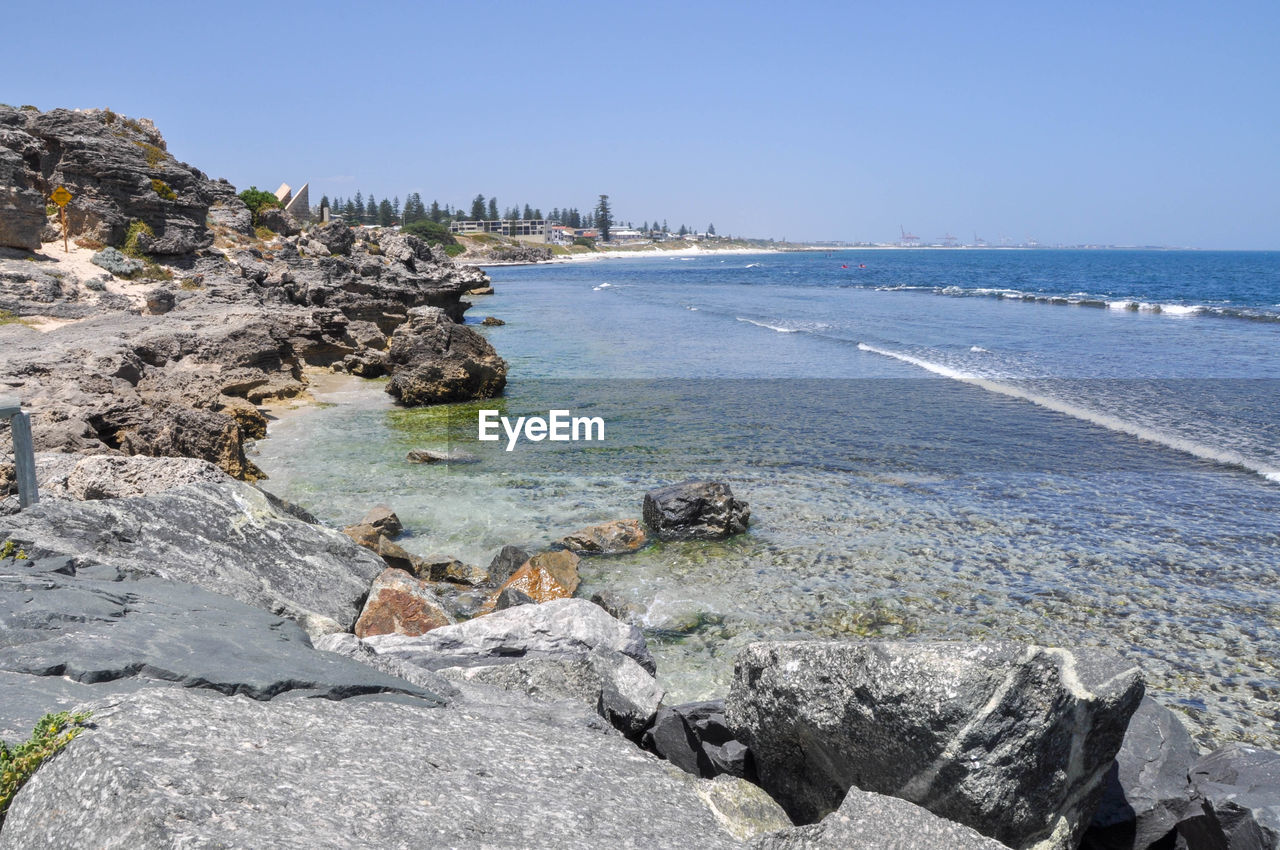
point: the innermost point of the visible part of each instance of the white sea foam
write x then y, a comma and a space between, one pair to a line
977, 349
749, 265
1112, 423
766, 325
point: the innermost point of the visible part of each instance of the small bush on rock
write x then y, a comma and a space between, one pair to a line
257, 200
19, 763
431, 232
162, 189
136, 230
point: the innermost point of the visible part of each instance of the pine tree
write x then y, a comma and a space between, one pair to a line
528, 212
604, 218
359, 204
684, 231
493, 209
435, 211
711, 230
385, 213
477, 208
395, 206
537, 214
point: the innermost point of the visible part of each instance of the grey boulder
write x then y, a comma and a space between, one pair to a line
1147, 790
556, 629
180, 768
605, 681
506, 562
695, 510
695, 737
435, 360
1011, 740
229, 538
116, 263
869, 820
1237, 801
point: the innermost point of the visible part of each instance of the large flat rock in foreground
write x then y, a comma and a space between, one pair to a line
179, 768
229, 538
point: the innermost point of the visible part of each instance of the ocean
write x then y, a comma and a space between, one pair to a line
1058, 447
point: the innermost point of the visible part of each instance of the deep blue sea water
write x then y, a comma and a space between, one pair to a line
1065, 447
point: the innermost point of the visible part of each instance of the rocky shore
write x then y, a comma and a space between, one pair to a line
254, 678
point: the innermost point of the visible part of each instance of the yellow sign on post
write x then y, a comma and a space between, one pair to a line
60, 197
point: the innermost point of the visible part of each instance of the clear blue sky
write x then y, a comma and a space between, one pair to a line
1151, 123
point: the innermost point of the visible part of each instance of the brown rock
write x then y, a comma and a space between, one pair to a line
481, 290
384, 520
610, 538
366, 535
448, 568
492, 321
551, 575
400, 604
375, 541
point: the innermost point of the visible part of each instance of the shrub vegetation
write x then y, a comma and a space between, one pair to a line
257, 200
19, 763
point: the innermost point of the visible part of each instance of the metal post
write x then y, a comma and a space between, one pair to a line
23, 451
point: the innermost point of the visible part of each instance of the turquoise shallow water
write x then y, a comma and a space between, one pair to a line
926, 453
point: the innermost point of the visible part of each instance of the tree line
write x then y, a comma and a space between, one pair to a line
359, 209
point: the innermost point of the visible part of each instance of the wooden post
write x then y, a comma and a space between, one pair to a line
23, 450
63, 209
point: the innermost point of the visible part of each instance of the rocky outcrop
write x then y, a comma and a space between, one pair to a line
1011, 740
227, 538
1147, 790
867, 819
118, 171
564, 628
79, 478
383, 520
611, 538
370, 774
508, 254
400, 604
177, 369
278, 221
117, 263
506, 562
434, 360
695, 510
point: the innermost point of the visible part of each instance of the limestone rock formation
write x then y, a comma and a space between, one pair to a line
434, 360
117, 169
695, 510
1011, 740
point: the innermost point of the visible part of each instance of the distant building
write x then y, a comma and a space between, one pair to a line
626, 235
523, 229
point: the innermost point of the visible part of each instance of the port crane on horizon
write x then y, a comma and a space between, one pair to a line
908, 238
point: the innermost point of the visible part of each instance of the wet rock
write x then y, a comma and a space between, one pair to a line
400, 604
695, 510
492, 321
510, 775
867, 819
550, 575
117, 263
228, 538
1236, 802
425, 456
434, 360
1147, 790
611, 538
557, 629
1011, 740
506, 562
447, 568
383, 520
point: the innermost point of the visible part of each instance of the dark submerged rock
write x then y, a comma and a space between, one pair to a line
695, 510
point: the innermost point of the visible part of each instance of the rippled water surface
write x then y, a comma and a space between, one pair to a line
940, 444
